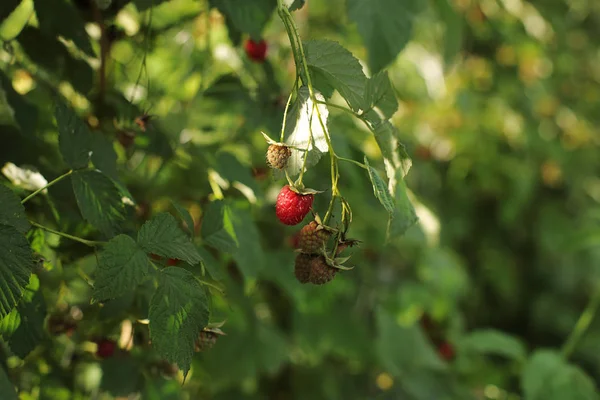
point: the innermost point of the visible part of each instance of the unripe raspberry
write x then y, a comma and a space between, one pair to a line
312, 238
278, 156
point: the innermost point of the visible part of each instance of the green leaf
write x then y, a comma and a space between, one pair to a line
385, 26
16, 263
24, 113
217, 227
454, 25
250, 257
104, 156
404, 215
392, 150
52, 15
246, 16
548, 376
6, 387
489, 341
99, 201
211, 264
143, 5
178, 312
12, 212
380, 188
185, 215
31, 327
162, 236
380, 94
74, 136
120, 375
121, 267
403, 348
340, 68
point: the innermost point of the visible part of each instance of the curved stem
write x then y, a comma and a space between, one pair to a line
32, 195
90, 243
363, 166
583, 323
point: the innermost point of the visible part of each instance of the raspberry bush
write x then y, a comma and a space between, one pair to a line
215, 199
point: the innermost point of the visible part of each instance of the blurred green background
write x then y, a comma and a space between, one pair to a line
491, 295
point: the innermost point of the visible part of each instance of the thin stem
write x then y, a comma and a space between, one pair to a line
363, 166
90, 243
583, 323
211, 285
32, 195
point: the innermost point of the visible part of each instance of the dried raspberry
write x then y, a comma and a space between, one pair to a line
207, 338
320, 272
302, 267
292, 207
278, 155
312, 238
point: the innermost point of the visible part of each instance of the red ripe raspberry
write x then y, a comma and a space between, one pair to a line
256, 51
106, 348
172, 262
446, 351
292, 207
311, 239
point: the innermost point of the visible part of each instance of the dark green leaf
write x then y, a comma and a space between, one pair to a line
121, 267
99, 201
12, 212
25, 114
7, 7
493, 342
163, 236
385, 26
380, 94
380, 189
104, 156
178, 312
548, 376
6, 387
453, 35
392, 150
16, 263
74, 136
246, 16
185, 215
340, 68
120, 376
31, 327
250, 256
297, 4
211, 264
217, 227
52, 15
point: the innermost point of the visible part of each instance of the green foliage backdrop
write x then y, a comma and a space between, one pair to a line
140, 253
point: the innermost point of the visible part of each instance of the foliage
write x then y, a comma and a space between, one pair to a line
451, 148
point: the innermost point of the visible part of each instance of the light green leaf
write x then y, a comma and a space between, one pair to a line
489, 341
404, 215
385, 26
185, 215
246, 16
305, 131
6, 387
121, 267
380, 95
99, 201
12, 212
163, 236
548, 376
16, 263
143, 5
380, 188
73, 136
339, 68
178, 312
24, 113
217, 228
392, 150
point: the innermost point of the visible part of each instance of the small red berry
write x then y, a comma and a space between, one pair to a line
172, 262
256, 51
292, 207
106, 348
446, 351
